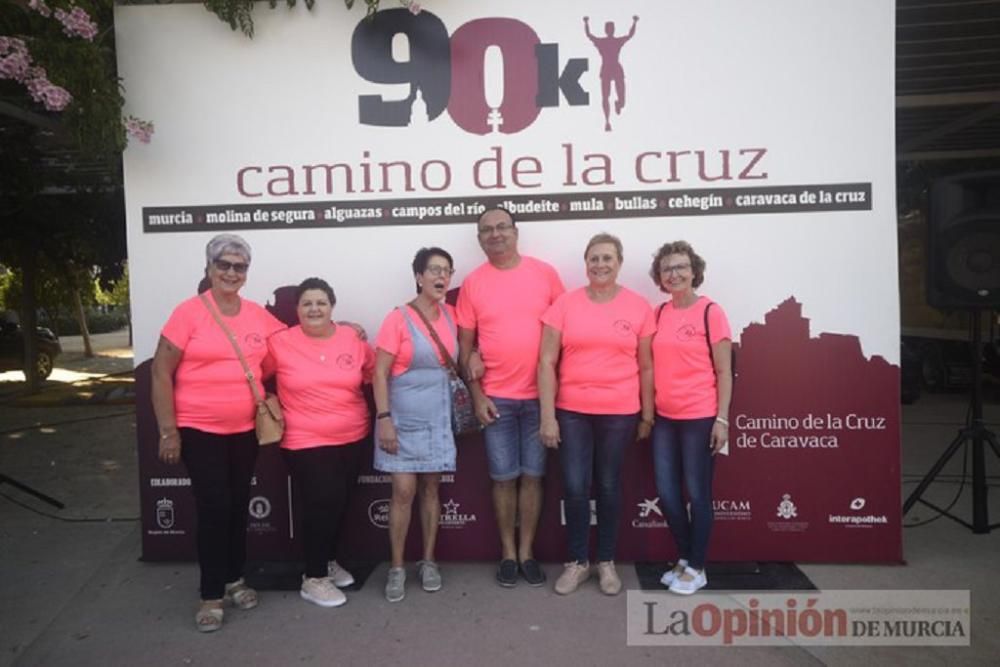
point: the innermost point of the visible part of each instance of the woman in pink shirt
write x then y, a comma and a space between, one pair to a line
692, 354
321, 367
601, 398
205, 412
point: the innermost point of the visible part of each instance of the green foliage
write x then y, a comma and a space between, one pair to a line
239, 13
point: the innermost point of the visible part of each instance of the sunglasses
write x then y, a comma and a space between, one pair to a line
224, 266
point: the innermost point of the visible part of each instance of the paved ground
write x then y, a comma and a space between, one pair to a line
73, 592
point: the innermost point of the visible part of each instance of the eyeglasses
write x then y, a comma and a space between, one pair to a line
224, 266
500, 228
676, 268
439, 270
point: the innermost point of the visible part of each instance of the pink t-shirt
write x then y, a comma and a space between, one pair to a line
319, 384
682, 368
505, 307
211, 392
599, 362
394, 336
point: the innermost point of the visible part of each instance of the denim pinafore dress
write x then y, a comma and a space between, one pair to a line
420, 402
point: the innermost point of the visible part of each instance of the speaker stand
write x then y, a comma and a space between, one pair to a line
975, 431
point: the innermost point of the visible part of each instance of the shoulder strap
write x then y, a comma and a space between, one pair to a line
656, 318
708, 337
232, 339
449, 362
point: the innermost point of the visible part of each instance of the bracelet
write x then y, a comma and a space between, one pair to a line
722, 420
383, 415
649, 421
167, 436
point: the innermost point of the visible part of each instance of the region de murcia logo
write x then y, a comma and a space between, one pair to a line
786, 508
858, 504
260, 507
378, 513
165, 513
649, 506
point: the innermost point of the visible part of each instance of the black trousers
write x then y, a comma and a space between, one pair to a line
220, 467
323, 478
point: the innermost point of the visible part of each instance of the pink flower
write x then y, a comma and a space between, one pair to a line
53, 97
77, 23
40, 7
15, 61
142, 130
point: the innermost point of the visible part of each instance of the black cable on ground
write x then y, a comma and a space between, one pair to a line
48, 515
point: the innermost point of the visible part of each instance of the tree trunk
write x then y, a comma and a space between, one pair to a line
81, 319
29, 317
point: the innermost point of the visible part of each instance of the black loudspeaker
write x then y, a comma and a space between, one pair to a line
963, 251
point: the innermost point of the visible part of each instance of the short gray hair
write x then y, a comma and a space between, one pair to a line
227, 244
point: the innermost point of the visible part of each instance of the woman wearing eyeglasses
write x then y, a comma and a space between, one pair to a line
413, 437
692, 361
205, 412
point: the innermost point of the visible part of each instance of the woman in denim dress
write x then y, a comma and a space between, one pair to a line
414, 440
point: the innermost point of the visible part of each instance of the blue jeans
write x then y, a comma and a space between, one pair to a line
513, 447
682, 452
593, 443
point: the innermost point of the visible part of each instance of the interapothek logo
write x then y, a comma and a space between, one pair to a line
523, 75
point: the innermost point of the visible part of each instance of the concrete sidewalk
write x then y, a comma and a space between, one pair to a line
75, 592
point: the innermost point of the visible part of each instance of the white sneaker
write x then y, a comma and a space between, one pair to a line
690, 582
321, 591
341, 577
671, 574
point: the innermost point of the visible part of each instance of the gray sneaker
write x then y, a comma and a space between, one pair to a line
395, 584
430, 575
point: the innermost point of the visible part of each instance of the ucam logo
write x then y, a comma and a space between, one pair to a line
505, 76
260, 507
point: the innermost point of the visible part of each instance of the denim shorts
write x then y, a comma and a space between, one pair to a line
513, 446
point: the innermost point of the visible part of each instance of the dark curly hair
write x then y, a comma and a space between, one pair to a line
678, 248
423, 258
315, 283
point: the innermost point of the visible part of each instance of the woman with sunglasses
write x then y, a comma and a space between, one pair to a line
692, 369
205, 413
413, 436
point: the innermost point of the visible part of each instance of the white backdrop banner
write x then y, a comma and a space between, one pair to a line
762, 133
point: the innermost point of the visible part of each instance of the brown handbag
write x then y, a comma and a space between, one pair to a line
268, 421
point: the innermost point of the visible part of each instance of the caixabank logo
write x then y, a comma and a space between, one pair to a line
491, 75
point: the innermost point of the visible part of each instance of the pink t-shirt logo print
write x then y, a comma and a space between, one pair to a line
345, 362
686, 332
623, 327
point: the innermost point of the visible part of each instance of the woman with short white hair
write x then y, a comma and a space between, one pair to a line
205, 410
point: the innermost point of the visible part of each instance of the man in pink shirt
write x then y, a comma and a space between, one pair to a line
499, 308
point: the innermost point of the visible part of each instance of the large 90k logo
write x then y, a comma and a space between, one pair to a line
447, 73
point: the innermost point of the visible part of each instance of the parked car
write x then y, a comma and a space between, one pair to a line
12, 348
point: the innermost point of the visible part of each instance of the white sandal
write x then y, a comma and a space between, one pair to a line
240, 595
209, 616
